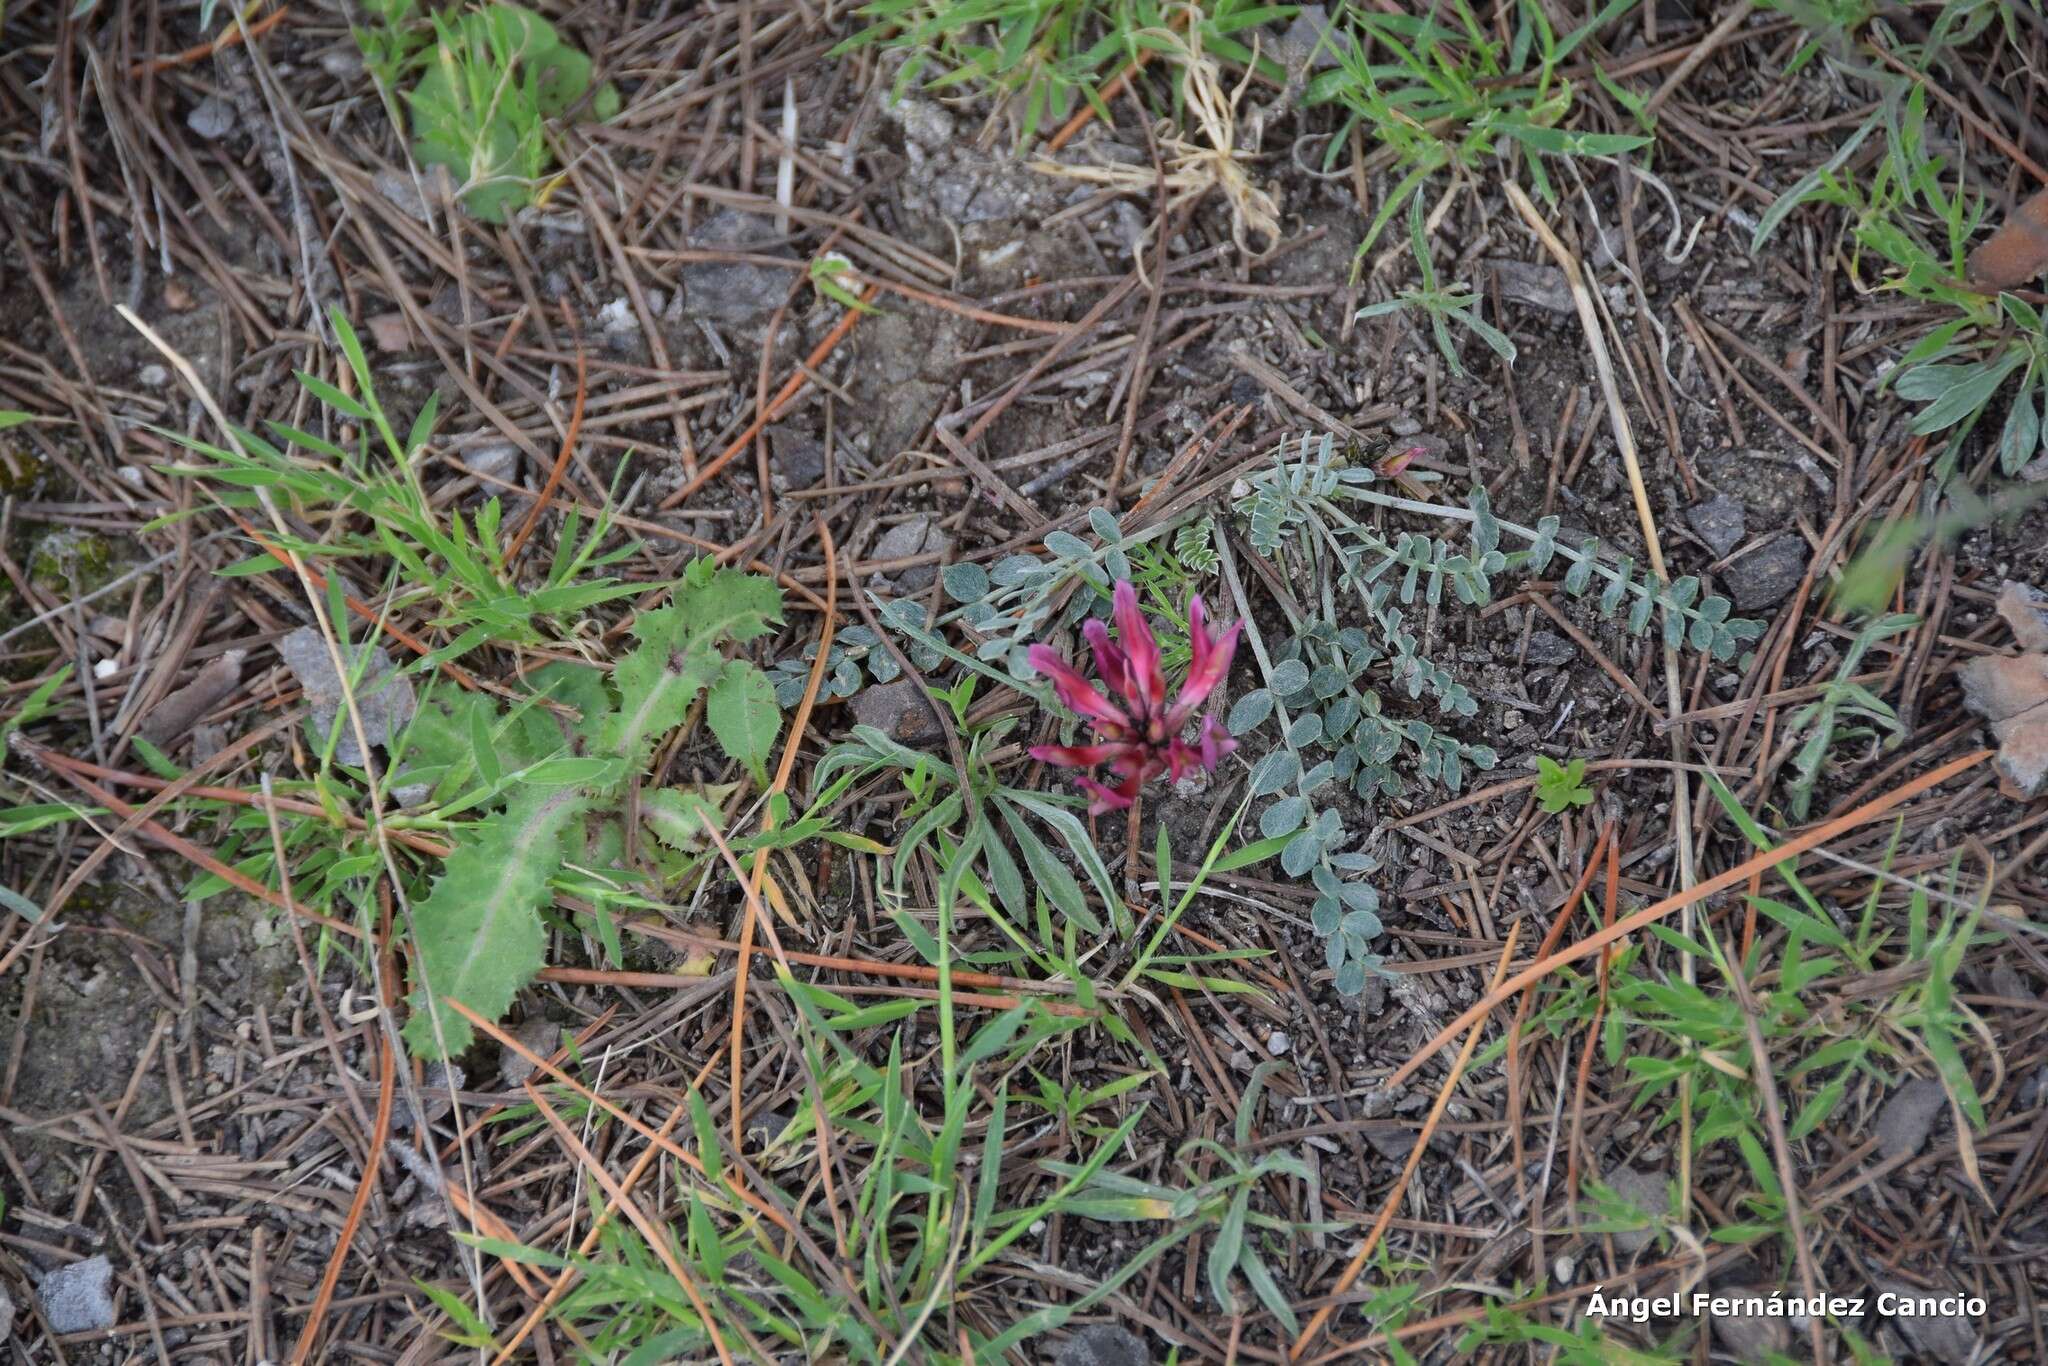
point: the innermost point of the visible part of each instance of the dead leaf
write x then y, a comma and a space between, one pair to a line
384, 696
2018, 251
2011, 692
185, 707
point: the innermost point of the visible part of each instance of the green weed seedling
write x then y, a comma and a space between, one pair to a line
1239, 1236
456, 564
1823, 1036
547, 773
927, 1137
1045, 55
1559, 787
1440, 94
1912, 218
1845, 710
483, 82
1442, 307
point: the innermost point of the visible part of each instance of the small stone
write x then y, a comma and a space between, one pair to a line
404, 196
617, 321
987, 191
1766, 575
1908, 1116
925, 123
1404, 426
1549, 648
178, 298
1277, 1043
75, 1298
1538, 286
6, 1314
104, 669
799, 456
900, 712
153, 376
1937, 1337
541, 1036
498, 461
390, 332
1105, 1344
212, 118
736, 291
1751, 1338
1720, 522
919, 535
1645, 1191
342, 63
1308, 39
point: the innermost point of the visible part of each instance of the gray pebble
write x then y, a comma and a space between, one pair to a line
1548, 647
1105, 1344
1720, 522
1766, 575
212, 118
75, 1298
736, 291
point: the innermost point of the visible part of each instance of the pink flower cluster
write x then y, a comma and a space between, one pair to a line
1138, 733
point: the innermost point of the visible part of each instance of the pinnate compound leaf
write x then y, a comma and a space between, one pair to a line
478, 933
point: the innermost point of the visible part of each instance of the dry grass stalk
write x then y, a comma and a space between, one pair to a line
1192, 170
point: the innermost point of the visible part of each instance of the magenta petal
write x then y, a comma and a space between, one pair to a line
1073, 689
1208, 664
1109, 660
1215, 741
1107, 799
1141, 651
1077, 756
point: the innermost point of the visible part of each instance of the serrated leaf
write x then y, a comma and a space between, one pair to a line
678, 815
741, 711
478, 936
679, 653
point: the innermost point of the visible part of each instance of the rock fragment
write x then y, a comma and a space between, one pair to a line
1105, 1344
1767, 575
736, 291
1908, 1116
899, 711
212, 118
76, 1298
1720, 522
